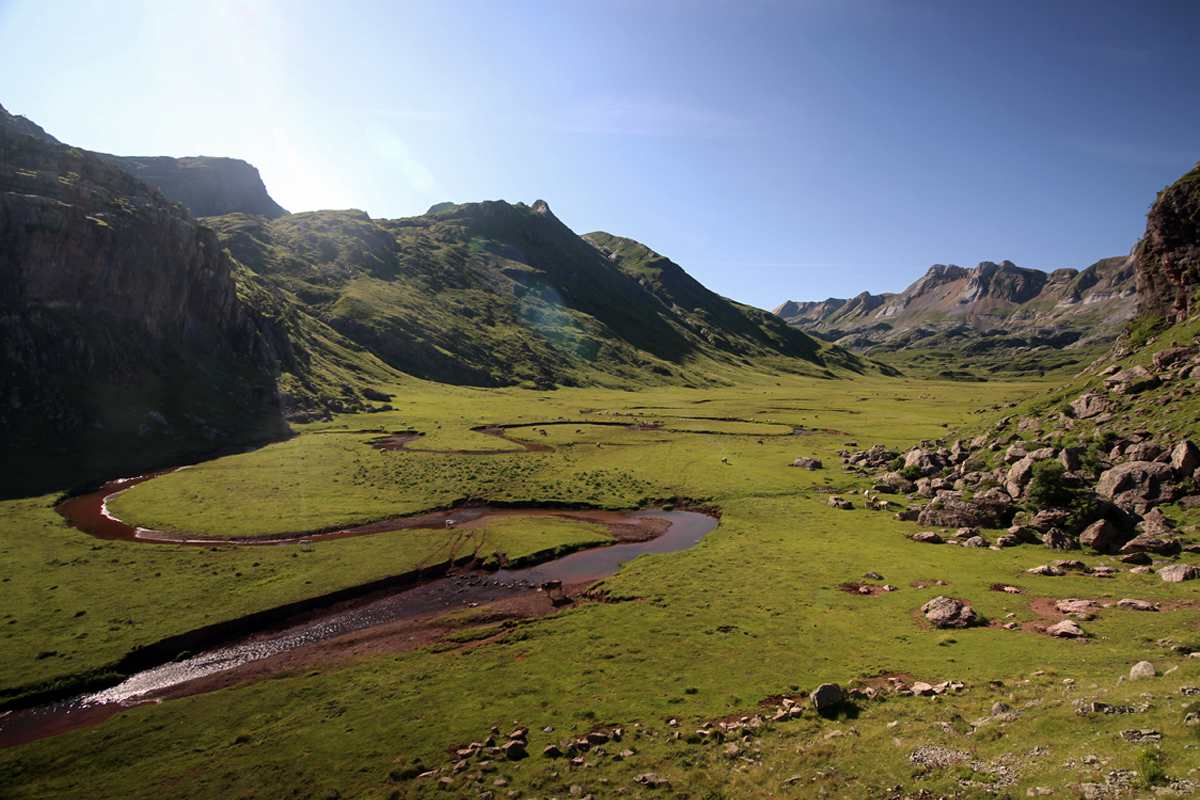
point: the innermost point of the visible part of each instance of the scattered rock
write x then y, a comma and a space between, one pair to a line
840, 502
1141, 736
1136, 605
927, 537
808, 463
1046, 569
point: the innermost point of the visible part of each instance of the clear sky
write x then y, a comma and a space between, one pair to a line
776, 150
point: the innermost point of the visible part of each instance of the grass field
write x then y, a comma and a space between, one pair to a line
753, 611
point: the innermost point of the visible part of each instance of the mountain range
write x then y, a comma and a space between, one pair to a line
995, 316
158, 306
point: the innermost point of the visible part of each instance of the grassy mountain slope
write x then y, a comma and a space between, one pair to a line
493, 294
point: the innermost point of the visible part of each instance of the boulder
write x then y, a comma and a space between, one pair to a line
1134, 485
1149, 543
515, 750
927, 537
1088, 405
928, 462
1185, 458
1049, 518
1103, 537
1141, 671
975, 541
1018, 476
897, 482
1046, 569
826, 698
807, 463
1071, 458
1136, 605
1055, 539
840, 503
992, 508
1139, 558
1075, 606
1067, 629
1177, 573
1143, 451
946, 612
1131, 381
1172, 356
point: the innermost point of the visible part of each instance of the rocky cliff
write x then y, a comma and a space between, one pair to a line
206, 186
123, 335
1168, 256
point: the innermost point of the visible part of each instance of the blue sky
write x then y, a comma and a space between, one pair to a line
775, 150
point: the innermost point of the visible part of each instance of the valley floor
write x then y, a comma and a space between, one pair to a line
665, 650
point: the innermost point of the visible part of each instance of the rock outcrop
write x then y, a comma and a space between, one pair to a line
1167, 259
206, 186
121, 324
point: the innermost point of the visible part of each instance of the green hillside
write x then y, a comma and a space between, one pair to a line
492, 294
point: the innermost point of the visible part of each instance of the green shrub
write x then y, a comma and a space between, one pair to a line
1048, 486
1150, 768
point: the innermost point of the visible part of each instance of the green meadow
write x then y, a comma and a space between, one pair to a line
754, 611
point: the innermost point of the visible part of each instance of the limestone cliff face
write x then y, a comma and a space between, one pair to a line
1168, 256
206, 186
122, 336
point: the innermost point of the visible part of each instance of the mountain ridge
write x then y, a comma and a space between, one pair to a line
995, 307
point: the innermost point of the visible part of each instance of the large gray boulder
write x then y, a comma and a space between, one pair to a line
1135, 485
1088, 405
992, 508
1131, 381
946, 612
1176, 573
